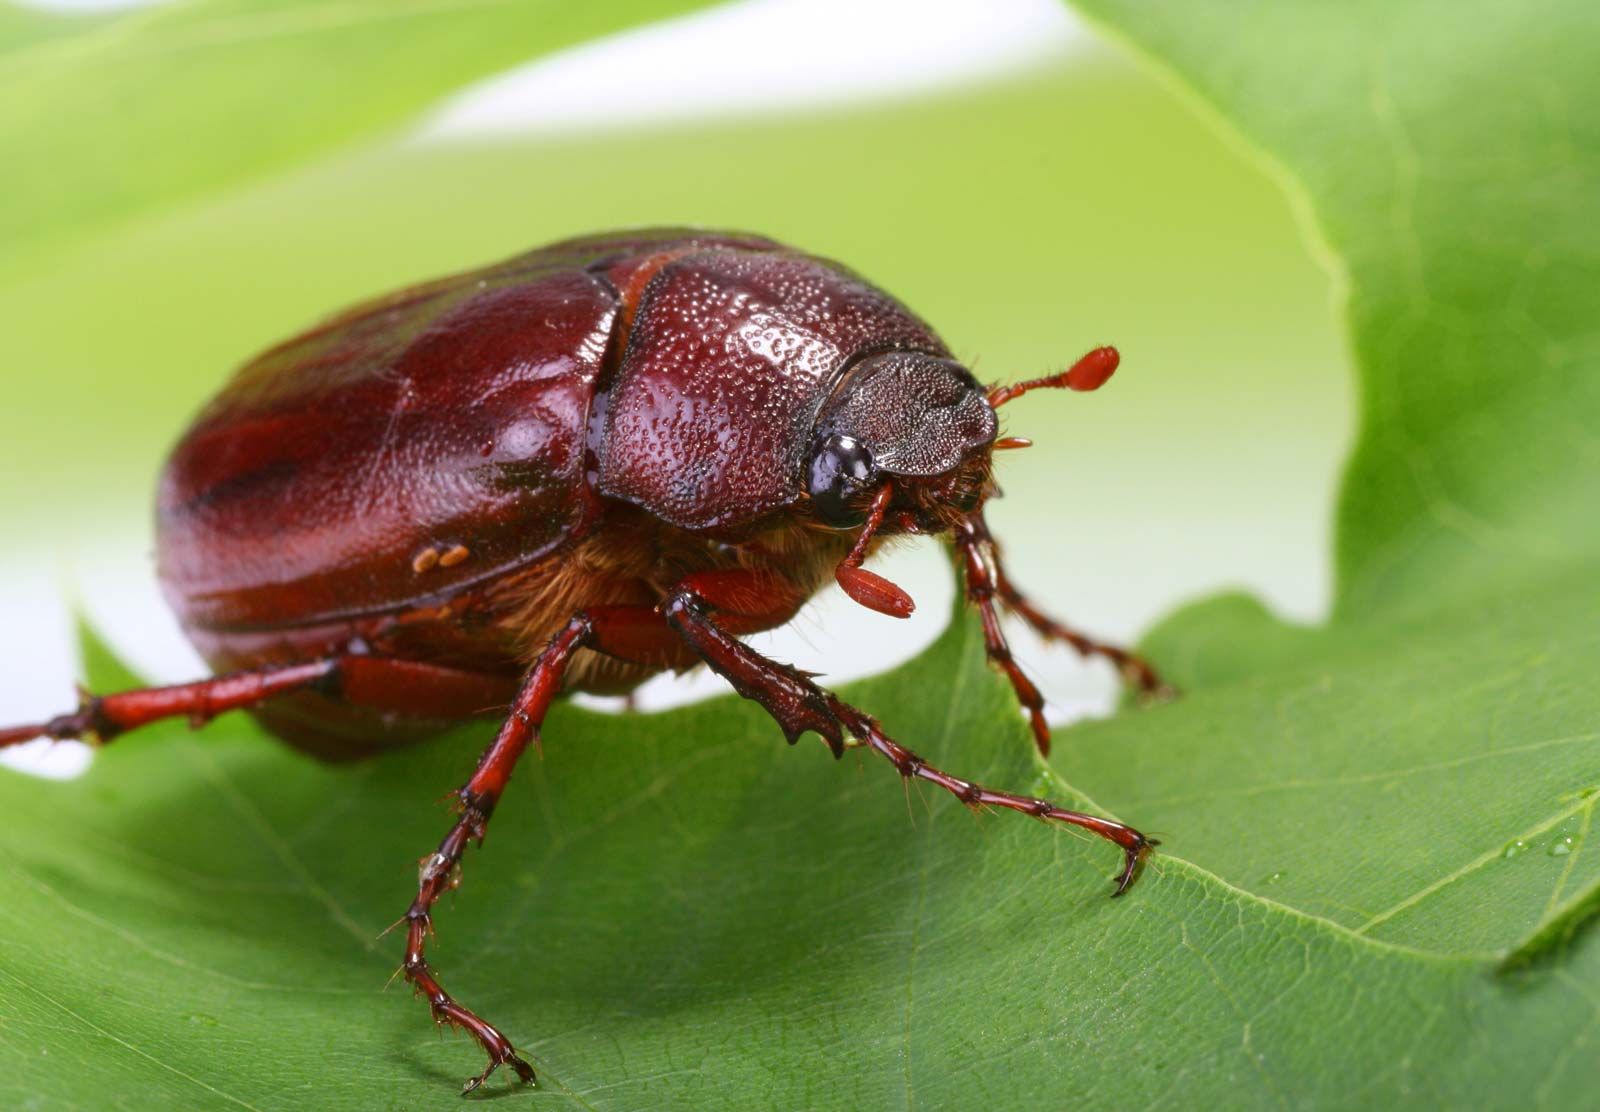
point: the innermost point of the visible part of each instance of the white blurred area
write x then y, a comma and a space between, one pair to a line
716, 61
763, 56
87, 7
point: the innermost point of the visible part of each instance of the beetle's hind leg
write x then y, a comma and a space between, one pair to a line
977, 545
403, 687
101, 718
798, 704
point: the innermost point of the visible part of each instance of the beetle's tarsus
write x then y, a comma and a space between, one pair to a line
85, 724
1134, 858
1162, 692
1135, 846
511, 1059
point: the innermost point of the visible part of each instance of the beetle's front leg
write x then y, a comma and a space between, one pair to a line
477, 802
751, 599
980, 574
1134, 669
798, 704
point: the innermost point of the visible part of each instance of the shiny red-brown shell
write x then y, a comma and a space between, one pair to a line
506, 411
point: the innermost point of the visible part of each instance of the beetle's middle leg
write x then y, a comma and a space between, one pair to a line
477, 799
798, 704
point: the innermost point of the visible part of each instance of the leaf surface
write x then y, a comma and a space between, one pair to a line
1445, 719
675, 911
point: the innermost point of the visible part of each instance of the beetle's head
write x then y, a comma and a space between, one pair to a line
905, 444
902, 445
915, 423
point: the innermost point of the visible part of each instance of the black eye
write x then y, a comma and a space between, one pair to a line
840, 470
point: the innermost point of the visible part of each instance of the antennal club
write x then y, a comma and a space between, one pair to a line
1088, 373
868, 588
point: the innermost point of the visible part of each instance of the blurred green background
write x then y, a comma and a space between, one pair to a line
1028, 214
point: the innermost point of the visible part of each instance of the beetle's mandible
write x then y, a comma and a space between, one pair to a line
568, 472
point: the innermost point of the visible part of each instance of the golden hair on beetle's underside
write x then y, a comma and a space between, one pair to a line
942, 502
637, 560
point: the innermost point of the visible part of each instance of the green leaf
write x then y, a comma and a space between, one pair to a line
1446, 717
1362, 898
1420, 782
22, 28
1448, 159
163, 105
677, 911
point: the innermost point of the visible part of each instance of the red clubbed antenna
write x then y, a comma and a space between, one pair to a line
1088, 373
868, 588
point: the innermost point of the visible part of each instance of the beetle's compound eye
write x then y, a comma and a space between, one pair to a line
841, 470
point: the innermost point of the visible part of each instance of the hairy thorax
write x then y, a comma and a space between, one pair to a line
637, 560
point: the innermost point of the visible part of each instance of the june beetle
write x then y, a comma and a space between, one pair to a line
570, 471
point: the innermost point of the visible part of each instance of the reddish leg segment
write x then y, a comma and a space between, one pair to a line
1135, 846
628, 632
798, 704
1134, 669
477, 799
400, 686
103, 718
404, 685
978, 556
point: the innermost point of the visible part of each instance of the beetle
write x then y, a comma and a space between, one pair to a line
569, 471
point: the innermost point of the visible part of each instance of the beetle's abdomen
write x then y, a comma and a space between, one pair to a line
406, 448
